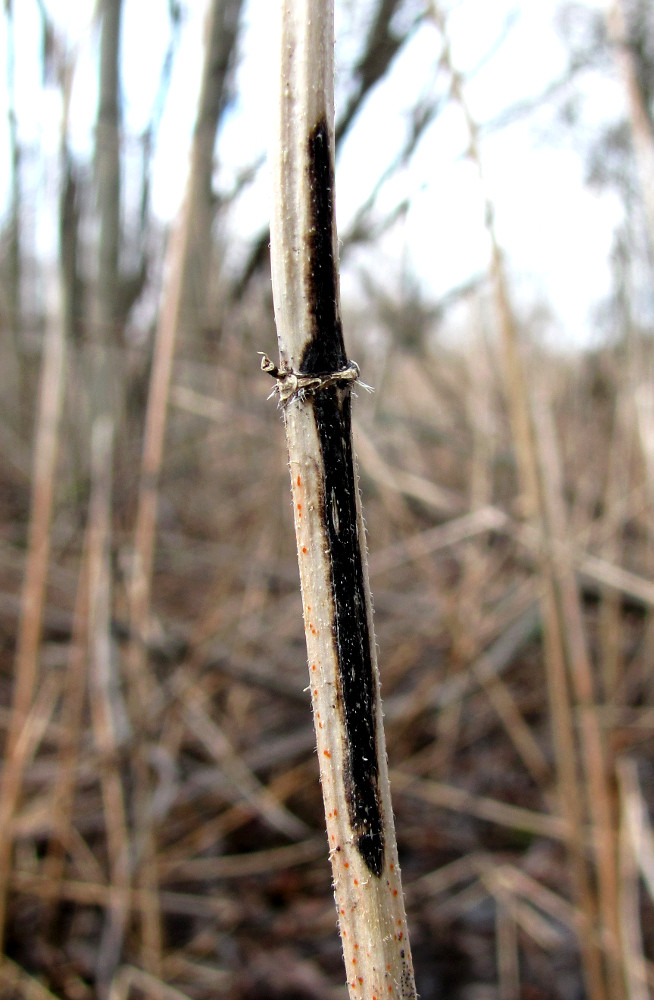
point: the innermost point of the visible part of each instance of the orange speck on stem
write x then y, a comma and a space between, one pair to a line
395, 892
304, 549
356, 881
326, 752
299, 481
347, 864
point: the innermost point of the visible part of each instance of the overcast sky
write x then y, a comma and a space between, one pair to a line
555, 231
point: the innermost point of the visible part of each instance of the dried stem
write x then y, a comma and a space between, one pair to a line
75, 687
635, 966
568, 668
328, 523
106, 707
36, 571
142, 690
640, 120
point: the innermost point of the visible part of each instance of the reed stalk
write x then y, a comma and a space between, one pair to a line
568, 670
26, 670
142, 688
314, 384
640, 120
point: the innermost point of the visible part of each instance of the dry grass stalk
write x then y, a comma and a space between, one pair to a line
142, 691
106, 706
593, 749
314, 384
635, 967
75, 688
522, 886
90, 893
640, 120
640, 826
459, 800
256, 863
407, 483
525, 742
612, 638
567, 664
508, 964
46, 450
15, 978
129, 978
153, 443
246, 785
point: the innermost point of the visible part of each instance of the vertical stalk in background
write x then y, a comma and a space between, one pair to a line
46, 450
69, 740
633, 834
314, 384
219, 16
569, 675
107, 166
106, 705
642, 132
642, 127
140, 686
14, 384
182, 247
221, 33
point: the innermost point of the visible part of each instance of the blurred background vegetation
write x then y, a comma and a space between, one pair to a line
161, 828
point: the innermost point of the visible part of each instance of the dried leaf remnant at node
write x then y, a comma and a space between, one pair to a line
298, 385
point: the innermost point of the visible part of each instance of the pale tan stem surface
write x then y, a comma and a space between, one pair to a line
370, 906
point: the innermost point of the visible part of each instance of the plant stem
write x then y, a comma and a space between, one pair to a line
314, 384
569, 679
